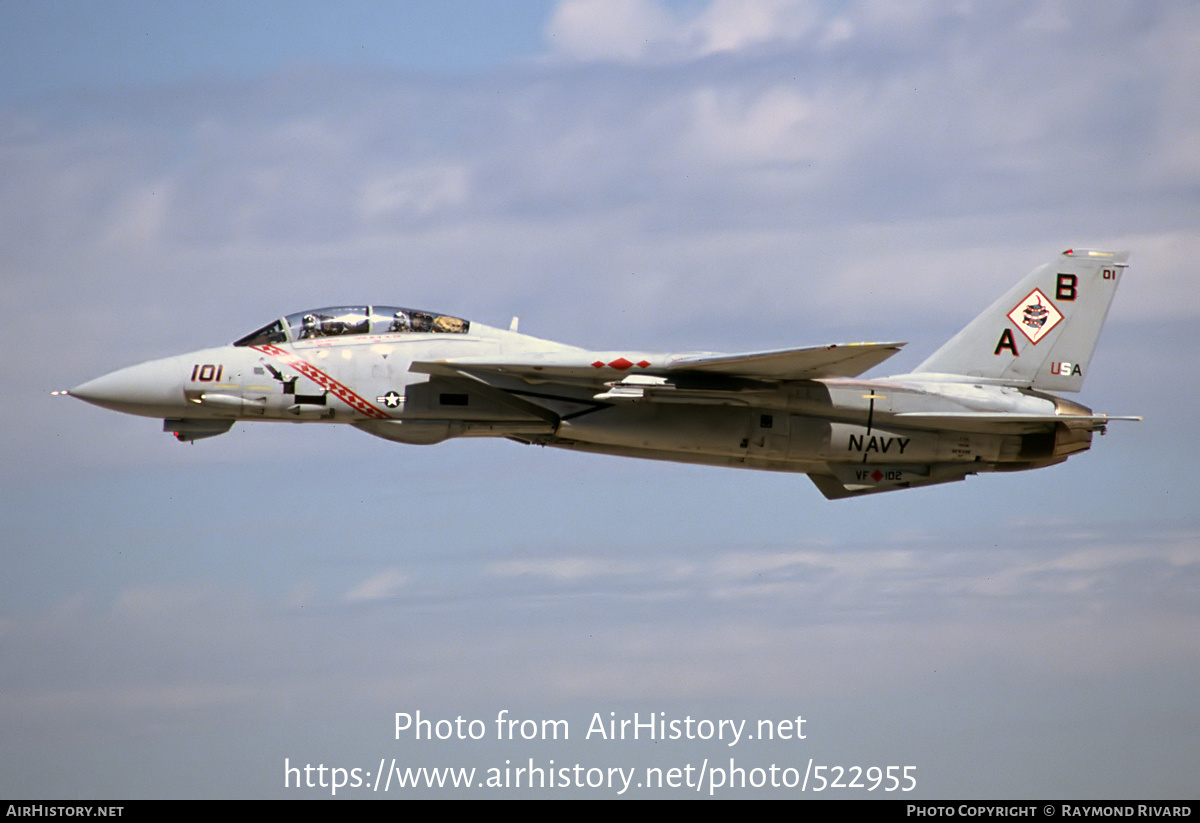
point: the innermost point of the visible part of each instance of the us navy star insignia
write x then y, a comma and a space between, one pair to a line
391, 400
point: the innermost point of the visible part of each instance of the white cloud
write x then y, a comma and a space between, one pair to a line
422, 191
609, 29
381, 586
772, 126
653, 31
562, 569
734, 25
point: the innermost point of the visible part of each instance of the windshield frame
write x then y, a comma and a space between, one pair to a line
356, 321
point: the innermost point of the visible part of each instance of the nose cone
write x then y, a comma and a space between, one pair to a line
151, 389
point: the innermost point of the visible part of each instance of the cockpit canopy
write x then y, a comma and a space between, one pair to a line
344, 321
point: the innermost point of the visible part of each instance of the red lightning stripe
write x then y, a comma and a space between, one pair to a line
338, 390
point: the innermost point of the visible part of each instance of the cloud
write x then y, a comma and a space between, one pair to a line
649, 30
647, 617
939, 135
561, 569
620, 29
382, 586
421, 191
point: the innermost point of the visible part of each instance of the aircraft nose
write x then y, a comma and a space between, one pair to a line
149, 389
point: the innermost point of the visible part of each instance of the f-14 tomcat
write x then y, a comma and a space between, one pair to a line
980, 403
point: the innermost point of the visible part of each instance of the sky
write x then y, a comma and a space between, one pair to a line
207, 620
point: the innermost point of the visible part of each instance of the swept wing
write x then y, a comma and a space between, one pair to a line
809, 363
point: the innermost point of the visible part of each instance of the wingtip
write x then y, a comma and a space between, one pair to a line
869, 344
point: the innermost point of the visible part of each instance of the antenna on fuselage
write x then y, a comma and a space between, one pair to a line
513, 325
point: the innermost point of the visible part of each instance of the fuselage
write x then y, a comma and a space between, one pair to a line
362, 373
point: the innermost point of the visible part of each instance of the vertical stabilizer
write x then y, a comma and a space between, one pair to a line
1042, 332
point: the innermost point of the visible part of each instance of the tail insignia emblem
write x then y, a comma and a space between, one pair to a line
1035, 316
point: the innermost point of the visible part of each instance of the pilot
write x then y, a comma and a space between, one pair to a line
400, 322
310, 328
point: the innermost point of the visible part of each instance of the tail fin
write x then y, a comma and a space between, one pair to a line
1042, 332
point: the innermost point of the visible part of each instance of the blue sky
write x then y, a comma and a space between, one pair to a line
62, 46
718, 175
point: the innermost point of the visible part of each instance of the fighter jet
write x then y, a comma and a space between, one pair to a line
980, 403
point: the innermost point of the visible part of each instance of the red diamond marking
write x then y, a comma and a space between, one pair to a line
598, 364
620, 363
877, 475
643, 364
